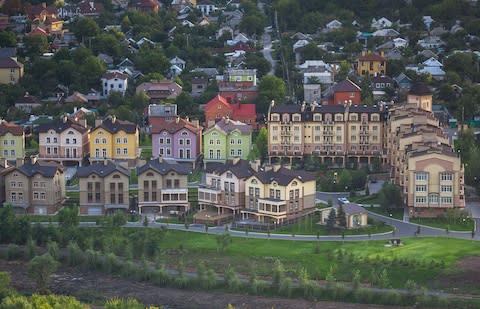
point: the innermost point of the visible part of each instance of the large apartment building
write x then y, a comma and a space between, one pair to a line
342, 135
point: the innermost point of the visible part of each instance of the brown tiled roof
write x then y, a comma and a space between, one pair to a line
160, 124
8, 127
112, 75
371, 57
28, 99
420, 89
9, 63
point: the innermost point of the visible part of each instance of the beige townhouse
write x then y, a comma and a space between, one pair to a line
104, 188
35, 187
163, 188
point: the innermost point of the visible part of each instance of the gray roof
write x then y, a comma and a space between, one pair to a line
283, 176
352, 209
163, 167
43, 168
241, 169
101, 170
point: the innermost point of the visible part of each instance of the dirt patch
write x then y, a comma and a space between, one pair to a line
96, 287
464, 276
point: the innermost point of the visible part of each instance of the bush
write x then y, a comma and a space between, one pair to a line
286, 287
31, 249
13, 252
75, 255
160, 277
52, 248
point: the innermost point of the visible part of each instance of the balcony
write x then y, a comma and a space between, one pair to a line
285, 133
364, 132
328, 133
209, 194
174, 196
272, 207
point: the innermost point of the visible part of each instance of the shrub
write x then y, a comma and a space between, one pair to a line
52, 248
211, 280
286, 287
75, 254
160, 277
13, 252
31, 249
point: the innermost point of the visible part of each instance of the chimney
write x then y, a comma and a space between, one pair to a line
196, 123
114, 118
276, 167
187, 119
177, 120
255, 165
65, 118
302, 109
19, 162
44, 5
4, 162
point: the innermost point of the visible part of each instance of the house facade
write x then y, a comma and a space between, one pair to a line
12, 141
176, 138
343, 135
278, 194
114, 139
114, 82
104, 188
226, 140
371, 64
27, 103
67, 141
11, 70
219, 108
34, 187
222, 195
343, 92
157, 91
163, 188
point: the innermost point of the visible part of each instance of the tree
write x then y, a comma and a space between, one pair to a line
341, 216
278, 274
390, 196
35, 45
270, 88
40, 269
68, 217
257, 61
332, 219
85, 28
223, 240
7, 224
7, 39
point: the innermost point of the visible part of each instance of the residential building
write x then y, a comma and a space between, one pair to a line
371, 64
381, 23
145, 6
114, 82
420, 96
431, 67
355, 215
176, 138
199, 85
381, 84
114, 139
104, 188
90, 9
206, 7
12, 141
4, 168
222, 195
317, 72
245, 76
333, 25
277, 195
226, 140
157, 91
340, 135
218, 108
163, 188
67, 141
312, 93
45, 17
35, 187
403, 82
11, 71
431, 42
343, 92
28, 103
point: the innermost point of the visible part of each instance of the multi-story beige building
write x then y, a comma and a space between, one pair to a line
278, 194
35, 187
222, 196
12, 141
163, 188
342, 135
104, 188
422, 161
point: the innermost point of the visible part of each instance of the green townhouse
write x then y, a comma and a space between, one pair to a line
226, 140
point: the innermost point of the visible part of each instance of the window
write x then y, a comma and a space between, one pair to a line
13, 184
421, 188
187, 141
446, 199
239, 152
20, 184
232, 142
239, 141
55, 140
125, 151
74, 141
420, 199
12, 142
145, 196
13, 196
218, 154
169, 183
446, 176
433, 199
5, 142
43, 196
48, 140
277, 194
36, 196
104, 152
118, 151
118, 140
97, 141
97, 153
232, 152
104, 140
446, 188
218, 142
176, 183
180, 141
272, 193
210, 142
421, 176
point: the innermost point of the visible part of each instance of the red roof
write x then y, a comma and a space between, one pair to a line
38, 31
113, 75
9, 127
244, 110
217, 99
90, 7
371, 57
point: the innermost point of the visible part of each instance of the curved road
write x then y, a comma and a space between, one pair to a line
267, 42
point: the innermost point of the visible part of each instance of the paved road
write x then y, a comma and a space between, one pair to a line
267, 43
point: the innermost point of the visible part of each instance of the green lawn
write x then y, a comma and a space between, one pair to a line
394, 213
366, 200
411, 261
146, 154
73, 194
443, 223
133, 176
309, 226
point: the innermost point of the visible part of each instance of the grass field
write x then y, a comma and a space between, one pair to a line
443, 223
412, 261
394, 213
